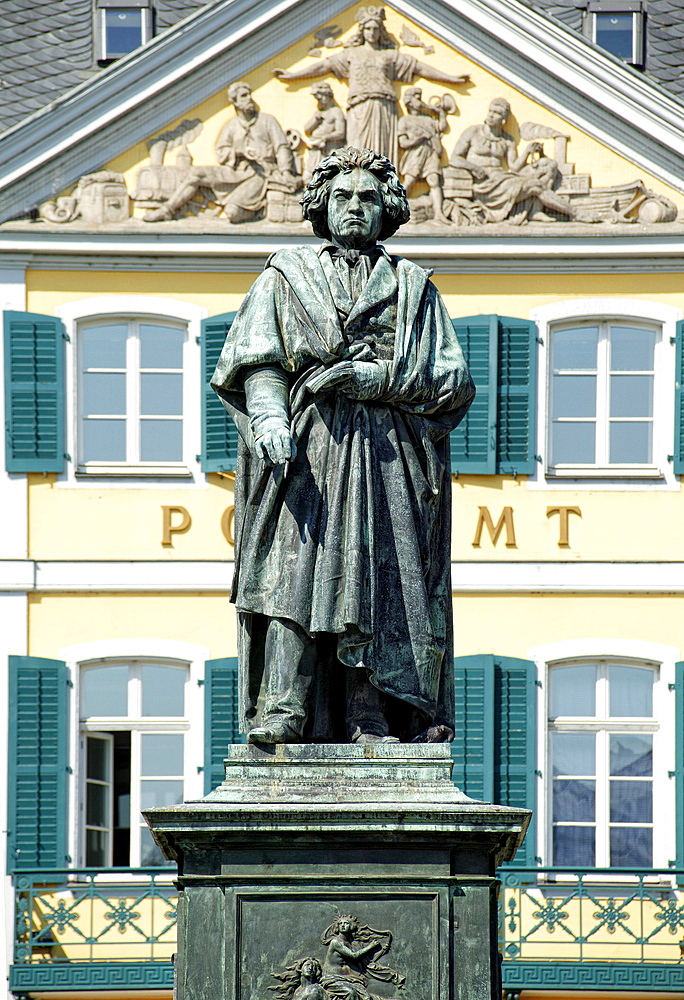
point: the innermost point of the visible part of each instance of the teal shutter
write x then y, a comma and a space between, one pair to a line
516, 398
221, 726
38, 760
679, 401
679, 761
494, 749
34, 393
219, 433
473, 443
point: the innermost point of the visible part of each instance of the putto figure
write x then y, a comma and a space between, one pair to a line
344, 377
253, 153
371, 62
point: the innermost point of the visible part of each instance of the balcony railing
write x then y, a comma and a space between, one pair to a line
84, 928
616, 928
559, 929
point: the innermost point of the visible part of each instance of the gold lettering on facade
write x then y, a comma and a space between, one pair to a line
227, 524
564, 515
484, 519
169, 528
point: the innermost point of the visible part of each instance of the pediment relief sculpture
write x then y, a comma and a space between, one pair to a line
350, 965
485, 175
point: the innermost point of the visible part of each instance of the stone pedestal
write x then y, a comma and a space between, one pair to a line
297, 836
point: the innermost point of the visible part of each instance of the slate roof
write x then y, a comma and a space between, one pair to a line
47, 49
664, 50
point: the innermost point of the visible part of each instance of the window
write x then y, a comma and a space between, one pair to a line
618, 27
130, 390
605, 763
134, 722
122, 26
601, 391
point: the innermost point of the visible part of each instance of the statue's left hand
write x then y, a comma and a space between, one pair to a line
356, 379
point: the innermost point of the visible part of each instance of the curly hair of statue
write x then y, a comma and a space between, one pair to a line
315, 198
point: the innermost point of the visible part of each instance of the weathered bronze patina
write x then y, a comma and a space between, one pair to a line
344, 377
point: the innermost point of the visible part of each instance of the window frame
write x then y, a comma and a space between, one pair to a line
105, 652
638, 653
633, 7
141, 308
660, 473
100, 32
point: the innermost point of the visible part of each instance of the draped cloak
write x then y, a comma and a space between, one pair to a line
353, 538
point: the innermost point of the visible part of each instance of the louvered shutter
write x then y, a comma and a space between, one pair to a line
34, 393
219, 433
38, 760
679, 401
473, 443
516, 397
221, 727
679, 761
494, 750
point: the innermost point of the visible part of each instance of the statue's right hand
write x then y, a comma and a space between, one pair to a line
275, 445
281, 74
478, 173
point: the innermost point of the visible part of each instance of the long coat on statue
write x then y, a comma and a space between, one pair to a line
353, 539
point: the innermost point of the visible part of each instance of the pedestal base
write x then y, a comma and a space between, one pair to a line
298, 836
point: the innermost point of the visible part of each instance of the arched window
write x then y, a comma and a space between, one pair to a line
133, 722
603, 738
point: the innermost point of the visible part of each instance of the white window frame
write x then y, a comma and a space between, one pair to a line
145, 308
101, 8
640, 653
637, 56
660, 474
152, 650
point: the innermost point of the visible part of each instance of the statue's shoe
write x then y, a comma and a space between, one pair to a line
274, 732
366, 738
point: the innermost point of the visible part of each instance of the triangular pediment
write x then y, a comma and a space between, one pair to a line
155, 145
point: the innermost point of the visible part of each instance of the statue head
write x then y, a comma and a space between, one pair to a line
323, 94
311, 968
384, 206
413, 97
498, 112
370, 27
240, 96
346, 922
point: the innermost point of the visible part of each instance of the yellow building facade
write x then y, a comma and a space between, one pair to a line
119, 639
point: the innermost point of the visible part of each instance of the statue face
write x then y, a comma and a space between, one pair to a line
355, 208
309, 968
371, 32
323, 99
497, 114
346, 926
413, 102
242, 99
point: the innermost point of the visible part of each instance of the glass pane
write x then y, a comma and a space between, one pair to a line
150, 855
161, 440
98, 758
631, 690
573, 444
97, 842
574, 846
104, 393
160, 793
162, 753
631, 754
630, 395
631, 350
631, 846
630, 443
574, 801
164, 394
123, 29
573, 754
575, 350
573, 692
104, 440
614, 33
104, 691
104, 345
161, 346
97, 804
163, 690
575, 396
631, 802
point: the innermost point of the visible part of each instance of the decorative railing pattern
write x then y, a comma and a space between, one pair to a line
559, 928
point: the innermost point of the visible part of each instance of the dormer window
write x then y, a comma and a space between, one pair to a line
121, 27
617, 26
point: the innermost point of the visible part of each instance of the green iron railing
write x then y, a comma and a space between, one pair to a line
82, 927
559, 929
611, 928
